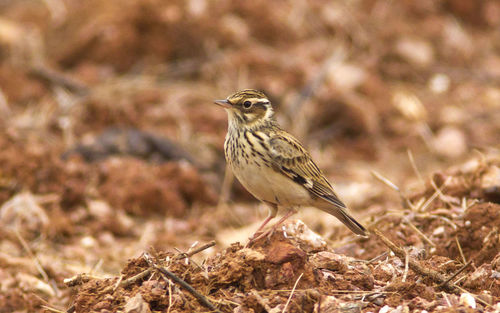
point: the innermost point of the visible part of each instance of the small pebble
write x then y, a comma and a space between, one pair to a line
450, 142
385, 309
438, 231
88, 242
468, 300
439, 83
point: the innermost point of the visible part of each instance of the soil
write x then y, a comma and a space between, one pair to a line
113, 172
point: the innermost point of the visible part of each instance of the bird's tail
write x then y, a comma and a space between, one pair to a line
343, 215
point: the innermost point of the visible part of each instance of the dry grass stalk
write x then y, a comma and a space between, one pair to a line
35, 259
414, 167
421, 234
460, 250
291, 293
406, 202
405, 273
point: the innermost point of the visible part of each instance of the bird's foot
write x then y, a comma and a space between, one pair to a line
268, 234
259, 235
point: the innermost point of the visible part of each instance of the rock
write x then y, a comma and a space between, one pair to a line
282, 252
415, 51
450, 142
137, 304
385, 309
23, 213
468, 300
330, 261
409, 105
307, 239
346, 76
328, 304
439, 83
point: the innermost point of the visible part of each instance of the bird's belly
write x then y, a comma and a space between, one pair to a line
266, 184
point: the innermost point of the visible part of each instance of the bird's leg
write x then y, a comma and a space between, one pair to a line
284, 218
273, 210
269, 232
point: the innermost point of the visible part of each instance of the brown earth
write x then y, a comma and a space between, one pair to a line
111, 154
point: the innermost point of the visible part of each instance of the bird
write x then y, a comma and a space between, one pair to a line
273, 165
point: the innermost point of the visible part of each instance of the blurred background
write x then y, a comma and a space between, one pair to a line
109, 140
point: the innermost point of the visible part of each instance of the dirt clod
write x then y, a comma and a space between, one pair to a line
89, 90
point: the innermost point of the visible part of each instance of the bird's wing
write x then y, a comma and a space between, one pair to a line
289, 157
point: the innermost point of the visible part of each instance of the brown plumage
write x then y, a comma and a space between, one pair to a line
272, 165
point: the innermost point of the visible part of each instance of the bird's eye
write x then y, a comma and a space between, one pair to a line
247, 104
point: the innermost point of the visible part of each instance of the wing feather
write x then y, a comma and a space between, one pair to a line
292, 159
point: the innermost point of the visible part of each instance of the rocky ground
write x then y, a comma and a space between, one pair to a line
114, 196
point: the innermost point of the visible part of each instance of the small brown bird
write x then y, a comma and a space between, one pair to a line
272, 165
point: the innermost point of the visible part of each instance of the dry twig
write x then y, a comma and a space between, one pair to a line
133, 279
446, 298
51, 309
415, 266
195, 251
118, 282
377, 257
58, 78
432, 274
169, 296
169, 275
456, 273
261, 300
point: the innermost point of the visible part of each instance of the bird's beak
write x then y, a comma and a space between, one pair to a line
223, 103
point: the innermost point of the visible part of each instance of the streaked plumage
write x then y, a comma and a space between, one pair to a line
271, 164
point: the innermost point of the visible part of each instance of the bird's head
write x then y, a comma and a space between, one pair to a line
247, 107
